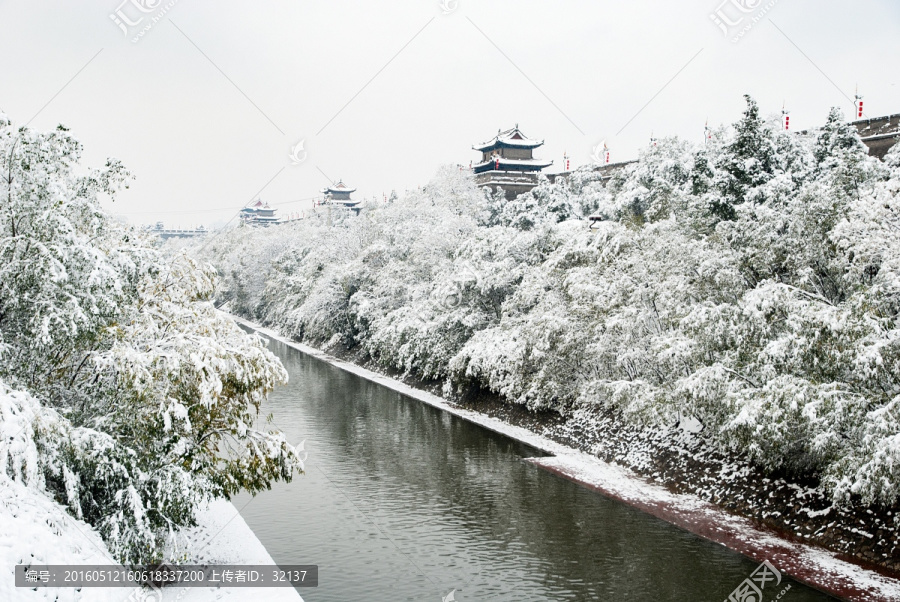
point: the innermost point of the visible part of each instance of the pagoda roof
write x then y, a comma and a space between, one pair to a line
511, 137
256, 206
339, 187
535, 163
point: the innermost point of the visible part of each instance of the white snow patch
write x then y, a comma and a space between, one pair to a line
223, 537
36, 530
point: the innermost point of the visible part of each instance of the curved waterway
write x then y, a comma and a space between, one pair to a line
401, 501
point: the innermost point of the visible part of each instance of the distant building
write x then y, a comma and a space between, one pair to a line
339, 195
879, 133
507, 163
258, 214
166, 233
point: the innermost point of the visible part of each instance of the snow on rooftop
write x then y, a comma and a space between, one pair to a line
339, 187
510, 137
504, 161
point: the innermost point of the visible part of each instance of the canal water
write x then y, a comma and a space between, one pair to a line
401, 501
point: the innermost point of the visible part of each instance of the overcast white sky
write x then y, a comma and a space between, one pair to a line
205, 107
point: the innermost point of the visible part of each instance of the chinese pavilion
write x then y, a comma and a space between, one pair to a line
339, 194
507, 162
258, 214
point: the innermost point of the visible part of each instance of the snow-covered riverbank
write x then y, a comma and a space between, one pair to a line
814, 566
36, 530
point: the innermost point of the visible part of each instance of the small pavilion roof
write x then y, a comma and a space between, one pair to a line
511, 137
339, 187
256, 206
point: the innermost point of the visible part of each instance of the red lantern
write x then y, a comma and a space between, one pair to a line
496, 162
860, 111
787, 122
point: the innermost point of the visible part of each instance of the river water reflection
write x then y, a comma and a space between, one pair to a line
401, 501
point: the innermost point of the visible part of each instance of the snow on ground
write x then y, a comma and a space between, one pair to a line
814, 566
36, 530
223, 537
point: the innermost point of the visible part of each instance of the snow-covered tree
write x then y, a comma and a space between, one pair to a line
750, 283
145, 397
